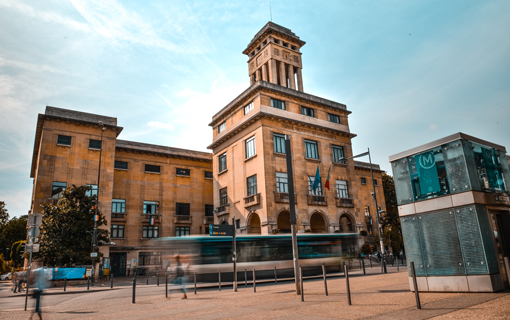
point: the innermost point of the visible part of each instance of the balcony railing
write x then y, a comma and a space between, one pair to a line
157, 217
316, 200
221, 210
345, 202
119, 216
208, 220
186, 219
252, 200
283, 197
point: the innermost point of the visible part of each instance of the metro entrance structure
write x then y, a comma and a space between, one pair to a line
455, 213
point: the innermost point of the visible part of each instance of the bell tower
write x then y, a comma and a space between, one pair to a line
274, 56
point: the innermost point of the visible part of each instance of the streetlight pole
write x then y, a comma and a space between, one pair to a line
383, 265
94, 235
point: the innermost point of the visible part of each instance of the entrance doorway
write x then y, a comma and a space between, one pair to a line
254, 225
501, 221
283, 222
118, 263
317, 223
346, 224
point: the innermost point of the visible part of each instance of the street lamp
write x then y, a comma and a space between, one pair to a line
374, 195
94, 235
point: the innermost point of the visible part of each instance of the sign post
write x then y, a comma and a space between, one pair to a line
224, 230
32, 232
234, 253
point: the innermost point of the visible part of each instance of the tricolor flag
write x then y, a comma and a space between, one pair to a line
96, 217
317, 181
326, 185
151, 221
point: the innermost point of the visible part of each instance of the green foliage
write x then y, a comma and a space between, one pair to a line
3, 265
11, 232
363, 233
4, 216
366, 249
64, 240
392, 232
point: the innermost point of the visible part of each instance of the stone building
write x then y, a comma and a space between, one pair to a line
249, 165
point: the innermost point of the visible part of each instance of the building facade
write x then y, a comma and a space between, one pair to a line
249, 164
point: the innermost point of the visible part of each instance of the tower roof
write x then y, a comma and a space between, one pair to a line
273, 28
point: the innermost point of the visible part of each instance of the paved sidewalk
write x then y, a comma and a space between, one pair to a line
373, 296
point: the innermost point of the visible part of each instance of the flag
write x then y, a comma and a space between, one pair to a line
151, 221
317, 181
96, 217
326, 185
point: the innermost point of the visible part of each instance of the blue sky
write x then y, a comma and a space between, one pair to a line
410, 71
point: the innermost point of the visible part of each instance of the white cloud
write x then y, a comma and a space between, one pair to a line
160, 125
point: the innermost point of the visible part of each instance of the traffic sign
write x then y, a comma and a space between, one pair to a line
34, 220
93, 254
33, 232
32, 247
220, 230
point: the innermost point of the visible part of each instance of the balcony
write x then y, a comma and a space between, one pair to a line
283, 197
316, 200
208, 220
252, 200
345, 202
224, 209
119, 216
157, 217
182, 219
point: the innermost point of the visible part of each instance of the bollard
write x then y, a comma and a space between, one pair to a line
195, 281
111, 281
166, 285
370, 262
397, 266
219, 280
416, 293
347, 284
65, 284
88, 283
275, 278
254, 283
157, 275
363, 261
325, 278
134, 291
245, 279
360, 263
147, 277
301, 280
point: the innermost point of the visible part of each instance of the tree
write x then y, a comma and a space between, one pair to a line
64, 240
13, 231
392, 232
4, 215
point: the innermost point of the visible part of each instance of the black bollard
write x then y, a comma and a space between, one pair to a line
398, 269
344, 269
166, 285
347, 284
325, 278
245, 279
195, 281
363, 261
111, 281
88, 283
416, 292
65, 284
134, 291
147, 277
370, 262
301, 280
254, 283
219, 280
157, 275
275, 278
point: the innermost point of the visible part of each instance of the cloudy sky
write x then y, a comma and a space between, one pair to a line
410, 71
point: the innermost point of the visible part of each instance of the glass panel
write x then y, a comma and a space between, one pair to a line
64, 140
118, 206
252, 185
282, 183
223, 162
121, 165
58, 189
490, 166
338, 154
311, 149
92, 191
279, 143
316, 192
402, 181
250, 147
342, 191
94, 144
456, 167
428, 174
412, 244
470, 240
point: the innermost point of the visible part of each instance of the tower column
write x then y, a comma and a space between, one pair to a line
252, 79
257, 75
290, 73
273, 72
283, 78
299, 80
264, 72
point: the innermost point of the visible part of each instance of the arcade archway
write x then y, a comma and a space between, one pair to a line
283, 222
317, 223
254, 224
346, 224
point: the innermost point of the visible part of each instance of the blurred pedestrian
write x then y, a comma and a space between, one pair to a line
40, 284
181, 275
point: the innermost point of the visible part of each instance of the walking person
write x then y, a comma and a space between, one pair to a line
40, 285
180, 275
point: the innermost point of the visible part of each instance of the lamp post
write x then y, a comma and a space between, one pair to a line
376, 207
94, 235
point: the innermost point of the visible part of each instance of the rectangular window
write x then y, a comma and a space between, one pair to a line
312, 151
342, 189
92, 191
58, 189
183, 172
182, 209
316, 192
117, 231
223, 197
333, 118
248, 108
375, 182
222, 127
181, 231
121, 165
118, 206
363, 180
338, 154
64, 140
282, 183
222, 160
252, 185
209, 208
277, 104
152, 169
95, 144
208, 174
150, 232
250, 147
149, 258
279, 143
150, 207
308, 111
238, 223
